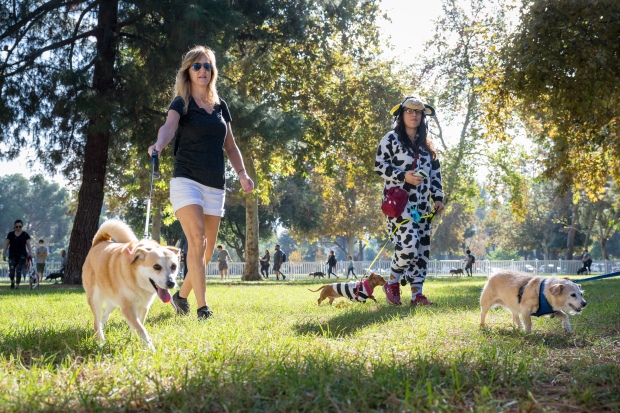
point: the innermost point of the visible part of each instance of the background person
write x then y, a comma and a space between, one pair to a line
401, 153
183, 248
40, 257
277, 262
18, 244
63, 260
264, 264
587, 261
222, 265
351, 267
201, 122
331, 264
469, 262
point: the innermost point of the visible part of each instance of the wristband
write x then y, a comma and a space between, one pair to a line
242, 169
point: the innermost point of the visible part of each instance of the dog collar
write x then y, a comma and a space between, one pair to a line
543, 304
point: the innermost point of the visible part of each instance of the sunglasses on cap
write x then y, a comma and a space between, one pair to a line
196, 66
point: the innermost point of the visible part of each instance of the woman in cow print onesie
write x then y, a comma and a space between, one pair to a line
401, 153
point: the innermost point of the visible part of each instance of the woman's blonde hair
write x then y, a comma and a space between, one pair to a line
182, 86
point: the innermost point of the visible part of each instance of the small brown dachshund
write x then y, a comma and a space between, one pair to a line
354, 291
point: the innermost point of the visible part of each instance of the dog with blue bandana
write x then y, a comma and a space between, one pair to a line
526, 296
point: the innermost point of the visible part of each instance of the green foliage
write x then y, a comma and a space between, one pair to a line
500, 254
42, 205
561, 66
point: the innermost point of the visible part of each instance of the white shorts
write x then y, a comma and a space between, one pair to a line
184, 192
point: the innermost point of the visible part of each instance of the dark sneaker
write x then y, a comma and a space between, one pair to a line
204, 313
283, 277
392, 293
12, 286
421, 299
180, 305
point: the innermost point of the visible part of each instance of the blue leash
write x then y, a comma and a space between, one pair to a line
600, 277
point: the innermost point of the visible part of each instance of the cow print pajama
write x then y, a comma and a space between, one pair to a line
412, 240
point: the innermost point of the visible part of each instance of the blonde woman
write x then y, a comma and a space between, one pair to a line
200, 119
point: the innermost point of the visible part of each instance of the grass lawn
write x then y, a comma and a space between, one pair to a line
271, 348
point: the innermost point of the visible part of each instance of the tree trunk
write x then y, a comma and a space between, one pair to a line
570, 241
360, 256
90, 196
350, 244
589, 232
250, 271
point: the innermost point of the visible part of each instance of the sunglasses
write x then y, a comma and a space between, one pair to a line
196, 66
17, 226
410, 111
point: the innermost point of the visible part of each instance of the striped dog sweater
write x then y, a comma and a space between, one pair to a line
354, 291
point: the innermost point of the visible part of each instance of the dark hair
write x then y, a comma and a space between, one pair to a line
421, 137
278, 245
220, 246
18, 221
41, 241
468, 251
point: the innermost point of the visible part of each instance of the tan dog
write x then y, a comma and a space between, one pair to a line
519, 293
354, 291
127, 273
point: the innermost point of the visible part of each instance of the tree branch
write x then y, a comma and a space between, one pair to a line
31, 57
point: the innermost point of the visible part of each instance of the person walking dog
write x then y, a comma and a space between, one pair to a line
201, 122
408, 164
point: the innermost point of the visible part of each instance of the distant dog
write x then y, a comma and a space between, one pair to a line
581, 270
354, 291
520, 293
317, 274
55, 276
127, 273
457, 271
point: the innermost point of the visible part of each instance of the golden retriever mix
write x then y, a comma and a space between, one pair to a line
526, 296
127, 273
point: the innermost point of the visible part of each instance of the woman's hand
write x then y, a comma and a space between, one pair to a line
438, 206
157, 147
246, 182
410, 178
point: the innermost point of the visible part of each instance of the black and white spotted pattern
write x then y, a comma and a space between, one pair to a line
412, 240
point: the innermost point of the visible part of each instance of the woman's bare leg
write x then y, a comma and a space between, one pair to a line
192, 223
201, 232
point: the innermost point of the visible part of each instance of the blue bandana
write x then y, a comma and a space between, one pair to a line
543, 304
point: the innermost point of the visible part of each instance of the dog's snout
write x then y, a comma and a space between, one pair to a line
170, 284
583, 303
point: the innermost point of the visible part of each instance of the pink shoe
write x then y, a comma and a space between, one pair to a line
421, 299
392, 293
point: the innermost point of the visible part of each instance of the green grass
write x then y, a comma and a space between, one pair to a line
271, 348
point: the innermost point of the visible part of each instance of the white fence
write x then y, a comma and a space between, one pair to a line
436, 268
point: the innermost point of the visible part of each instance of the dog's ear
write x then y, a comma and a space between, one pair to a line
556, 289
175, 250
138, 253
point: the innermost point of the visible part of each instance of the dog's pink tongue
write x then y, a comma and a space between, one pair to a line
164, 295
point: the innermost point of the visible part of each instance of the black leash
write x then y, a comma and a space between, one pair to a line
600, 277
154, 174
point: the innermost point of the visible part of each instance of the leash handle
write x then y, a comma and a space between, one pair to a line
155, 164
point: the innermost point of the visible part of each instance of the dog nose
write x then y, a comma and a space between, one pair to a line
170, 284
583, 303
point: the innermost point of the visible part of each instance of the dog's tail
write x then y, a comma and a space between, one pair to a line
314, 291
114, 229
